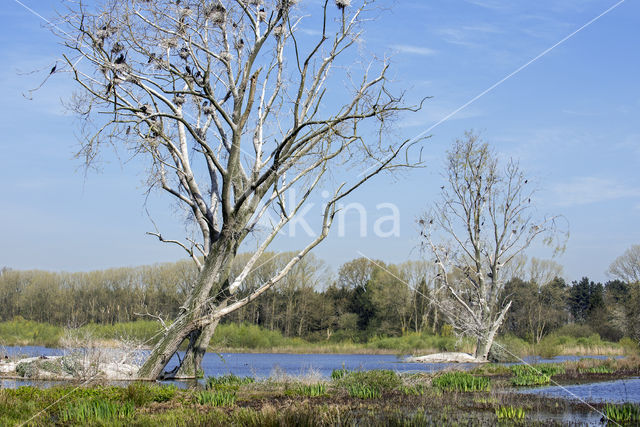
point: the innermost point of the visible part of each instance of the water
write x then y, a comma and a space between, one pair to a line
618, 391
263, 365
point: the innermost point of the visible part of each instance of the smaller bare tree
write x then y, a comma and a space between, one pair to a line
482, 223
627, 266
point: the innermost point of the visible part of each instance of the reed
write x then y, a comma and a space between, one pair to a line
626, 413
461, 381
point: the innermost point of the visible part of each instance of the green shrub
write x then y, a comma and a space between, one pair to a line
626, 413
461, 381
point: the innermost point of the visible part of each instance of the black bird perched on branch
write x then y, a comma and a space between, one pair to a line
120, 59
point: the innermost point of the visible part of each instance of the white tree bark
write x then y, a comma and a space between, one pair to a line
232, 112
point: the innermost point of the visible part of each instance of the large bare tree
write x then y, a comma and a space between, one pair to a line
234, 107
482, 223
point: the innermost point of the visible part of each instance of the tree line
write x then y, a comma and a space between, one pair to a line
364, 298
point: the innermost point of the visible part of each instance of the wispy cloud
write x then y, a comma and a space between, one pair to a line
499, 5
587, 190
413, 50
467, 35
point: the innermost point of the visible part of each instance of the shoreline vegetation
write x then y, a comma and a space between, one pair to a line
246, 338
488, 394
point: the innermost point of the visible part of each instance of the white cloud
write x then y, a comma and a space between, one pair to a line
468, 35
586, 190
413, 50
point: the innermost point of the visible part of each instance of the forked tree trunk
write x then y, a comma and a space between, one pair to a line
191, 364
188, 324
487, 336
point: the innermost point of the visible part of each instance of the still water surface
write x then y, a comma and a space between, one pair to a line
263, 365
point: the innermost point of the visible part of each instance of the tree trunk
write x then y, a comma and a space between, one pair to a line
191, 366
188, 325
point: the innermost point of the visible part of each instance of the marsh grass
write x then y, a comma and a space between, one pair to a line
413, 390
363, 391
96, 410
379, 379
336, 374
597, 370
229, 379
216, 397
461, 381
307, 390
530, 379
510, 413
627, 413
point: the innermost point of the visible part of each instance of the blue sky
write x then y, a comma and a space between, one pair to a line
571, 118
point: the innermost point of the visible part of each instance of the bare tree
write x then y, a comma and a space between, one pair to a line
483, 221
233, 110
627, 266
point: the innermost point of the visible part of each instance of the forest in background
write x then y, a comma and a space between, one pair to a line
366, 300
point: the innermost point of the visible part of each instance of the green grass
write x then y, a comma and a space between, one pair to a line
379, 379
308, 390
626, 413
336, 374
96, 410
363, 391
413, 390
532, 375
461, 381
602, 369
540, 369
228, 380
21, 332
510, 413
216, 397
530, 380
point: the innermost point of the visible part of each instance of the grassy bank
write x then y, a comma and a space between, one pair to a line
252, 338
348, 398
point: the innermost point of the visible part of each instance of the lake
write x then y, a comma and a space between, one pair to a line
263, 365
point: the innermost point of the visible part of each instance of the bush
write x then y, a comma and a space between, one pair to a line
461, 381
